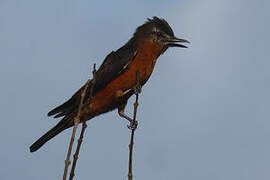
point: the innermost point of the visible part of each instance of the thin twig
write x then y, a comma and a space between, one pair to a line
76, 122
84, 126
133, 128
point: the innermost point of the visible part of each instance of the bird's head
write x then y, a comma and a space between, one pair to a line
159, 31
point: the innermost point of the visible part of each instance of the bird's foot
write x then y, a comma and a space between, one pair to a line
138, 89
133, 125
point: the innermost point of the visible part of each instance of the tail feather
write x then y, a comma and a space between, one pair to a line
62, 125
67, 106
68, 110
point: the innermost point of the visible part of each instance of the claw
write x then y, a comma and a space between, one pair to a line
138, 89
133, 125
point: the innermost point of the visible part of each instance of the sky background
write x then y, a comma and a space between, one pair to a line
204, 114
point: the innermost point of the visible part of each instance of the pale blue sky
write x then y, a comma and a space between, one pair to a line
204, 114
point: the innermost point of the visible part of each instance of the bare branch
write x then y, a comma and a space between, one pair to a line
76, 122
133, 125
84, 126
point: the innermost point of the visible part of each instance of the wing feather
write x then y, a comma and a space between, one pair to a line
112, 67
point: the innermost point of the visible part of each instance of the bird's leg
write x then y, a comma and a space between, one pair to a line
122, 98
137, 89
121, 111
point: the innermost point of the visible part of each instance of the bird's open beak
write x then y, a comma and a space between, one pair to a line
172, 42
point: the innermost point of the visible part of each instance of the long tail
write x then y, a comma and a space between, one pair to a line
62, 125
67, 110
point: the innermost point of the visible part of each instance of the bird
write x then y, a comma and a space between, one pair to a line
115, 79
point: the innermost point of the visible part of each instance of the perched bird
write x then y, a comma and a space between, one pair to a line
116, 77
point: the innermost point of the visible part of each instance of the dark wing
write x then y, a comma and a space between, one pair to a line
112, 67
